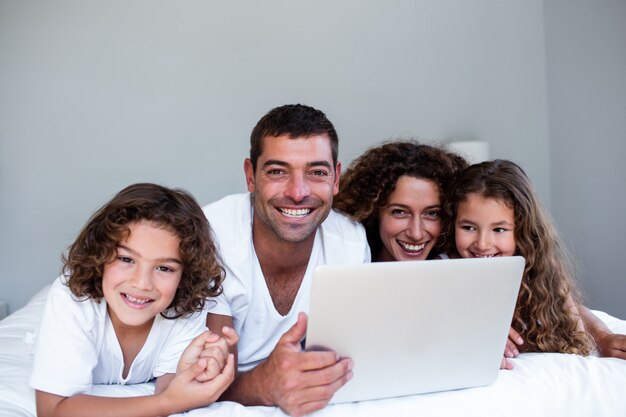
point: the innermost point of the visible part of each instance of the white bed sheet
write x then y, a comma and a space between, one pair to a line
541, 384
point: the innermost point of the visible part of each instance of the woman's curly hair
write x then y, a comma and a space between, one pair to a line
173, 209
545, 313
371, 178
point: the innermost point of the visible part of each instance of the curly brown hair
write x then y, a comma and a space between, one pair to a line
370, 179
544, 315
174, 209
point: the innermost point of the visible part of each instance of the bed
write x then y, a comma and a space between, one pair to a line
541, 384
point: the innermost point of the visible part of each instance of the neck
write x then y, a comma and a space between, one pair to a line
277, 256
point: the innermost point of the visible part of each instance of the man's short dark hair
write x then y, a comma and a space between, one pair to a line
295, 120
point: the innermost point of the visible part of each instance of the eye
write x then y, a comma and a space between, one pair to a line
467, 228
396, 212
124, 259
500, 230
320, 173
275, 171
164, 268
433, 214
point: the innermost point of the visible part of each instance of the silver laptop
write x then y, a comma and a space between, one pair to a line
416, 326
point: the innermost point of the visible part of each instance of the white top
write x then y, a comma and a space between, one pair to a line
246, 297
76, 346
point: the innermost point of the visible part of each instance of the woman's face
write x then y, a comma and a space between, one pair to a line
411, 221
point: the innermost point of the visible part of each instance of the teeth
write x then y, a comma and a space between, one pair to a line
136, 300
483, 256
295, 212
411, 247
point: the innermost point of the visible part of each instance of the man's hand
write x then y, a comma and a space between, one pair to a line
301, 382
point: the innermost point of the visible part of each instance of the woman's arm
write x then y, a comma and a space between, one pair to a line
609, 344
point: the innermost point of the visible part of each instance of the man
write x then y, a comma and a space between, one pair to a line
270, 241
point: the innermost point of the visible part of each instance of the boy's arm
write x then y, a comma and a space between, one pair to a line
181, 394
608, 343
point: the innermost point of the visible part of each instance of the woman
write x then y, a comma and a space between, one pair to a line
395, 190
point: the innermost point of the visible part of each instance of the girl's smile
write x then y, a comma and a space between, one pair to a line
484, 227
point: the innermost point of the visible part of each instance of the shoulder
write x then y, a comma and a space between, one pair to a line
343, 235
230, 218
63, 303
340, 225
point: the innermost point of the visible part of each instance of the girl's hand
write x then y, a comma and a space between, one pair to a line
510, 349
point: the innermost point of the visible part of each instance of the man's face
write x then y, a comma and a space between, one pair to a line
293, 186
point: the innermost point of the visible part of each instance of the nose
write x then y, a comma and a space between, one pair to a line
297, 188
483, 242
415, 230
142, 278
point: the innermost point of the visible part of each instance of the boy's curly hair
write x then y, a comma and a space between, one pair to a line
544, 315
173, 209
370, 179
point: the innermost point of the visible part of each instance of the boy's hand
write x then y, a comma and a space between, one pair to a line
193, 352
185, 391
216, 354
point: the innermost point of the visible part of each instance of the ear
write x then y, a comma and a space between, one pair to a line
337, 175
249, 171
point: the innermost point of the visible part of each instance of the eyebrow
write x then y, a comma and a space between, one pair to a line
285, 164
434, 206
134, 252
502, 223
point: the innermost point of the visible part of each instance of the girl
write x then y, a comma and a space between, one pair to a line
493, 211
129, 301
395, 190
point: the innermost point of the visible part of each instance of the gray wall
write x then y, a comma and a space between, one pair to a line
586, 62
98, 95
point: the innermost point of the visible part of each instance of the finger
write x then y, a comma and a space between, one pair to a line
296, 333
317, 360
506, 364
510, 350
193, 371
330, 374
322, 392
230, 335
216, 356
515, 337
228, 372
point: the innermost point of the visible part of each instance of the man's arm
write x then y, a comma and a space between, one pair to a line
608, 343
296, 381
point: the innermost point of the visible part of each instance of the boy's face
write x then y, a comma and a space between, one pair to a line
484, 227
141, 281
293, 186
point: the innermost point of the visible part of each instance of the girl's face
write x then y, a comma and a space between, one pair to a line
484, 227
410, 222
141, 281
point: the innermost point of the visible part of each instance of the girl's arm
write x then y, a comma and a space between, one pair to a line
182, 393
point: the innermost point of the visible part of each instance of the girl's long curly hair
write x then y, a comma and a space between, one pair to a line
545, 313
173, 209
370, 179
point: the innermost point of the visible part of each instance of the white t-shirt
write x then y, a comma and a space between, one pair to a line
76, 345
246, 297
